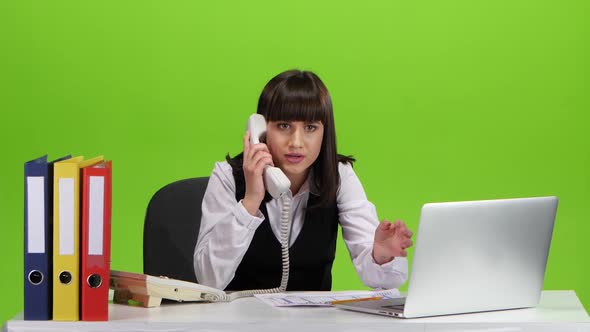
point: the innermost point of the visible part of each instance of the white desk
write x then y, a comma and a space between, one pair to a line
558, 311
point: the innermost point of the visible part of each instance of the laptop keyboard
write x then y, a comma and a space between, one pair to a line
397, 304
397, 307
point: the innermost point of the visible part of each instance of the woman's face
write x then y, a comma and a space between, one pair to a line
294, 145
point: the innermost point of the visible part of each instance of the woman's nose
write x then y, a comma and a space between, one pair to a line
296, 139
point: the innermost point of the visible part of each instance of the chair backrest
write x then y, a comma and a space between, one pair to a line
171, 229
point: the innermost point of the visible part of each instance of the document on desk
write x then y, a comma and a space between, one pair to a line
322, 298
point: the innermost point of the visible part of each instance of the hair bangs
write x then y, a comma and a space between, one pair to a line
299, 98
295, 109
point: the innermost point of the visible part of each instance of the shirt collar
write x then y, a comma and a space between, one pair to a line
309, 185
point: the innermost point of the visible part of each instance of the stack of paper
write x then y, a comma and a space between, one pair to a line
322, 298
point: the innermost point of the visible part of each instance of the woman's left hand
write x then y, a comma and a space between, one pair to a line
391, 240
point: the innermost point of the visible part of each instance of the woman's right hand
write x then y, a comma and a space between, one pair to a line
256, 156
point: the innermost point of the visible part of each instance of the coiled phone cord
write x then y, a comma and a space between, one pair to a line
285, 235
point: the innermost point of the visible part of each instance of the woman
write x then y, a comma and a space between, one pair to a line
238, 246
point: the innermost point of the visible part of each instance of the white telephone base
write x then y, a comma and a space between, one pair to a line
150, 290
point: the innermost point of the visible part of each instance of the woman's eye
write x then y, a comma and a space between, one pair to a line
283, 125
310, 128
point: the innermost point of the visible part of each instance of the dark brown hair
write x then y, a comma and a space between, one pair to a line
296, 95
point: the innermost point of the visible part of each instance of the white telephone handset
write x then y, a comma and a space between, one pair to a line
275, 180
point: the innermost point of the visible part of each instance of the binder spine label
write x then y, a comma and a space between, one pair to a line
66, 216
36, 214
96, 215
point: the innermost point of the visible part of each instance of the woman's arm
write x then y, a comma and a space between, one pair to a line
226, 230
359, 221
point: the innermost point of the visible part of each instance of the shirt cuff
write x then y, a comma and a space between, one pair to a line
387, 266
245, 219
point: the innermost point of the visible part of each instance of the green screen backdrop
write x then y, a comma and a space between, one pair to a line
437, 100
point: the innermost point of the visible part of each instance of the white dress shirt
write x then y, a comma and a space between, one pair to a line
227, 229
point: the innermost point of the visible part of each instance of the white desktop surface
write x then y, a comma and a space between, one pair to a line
557, 311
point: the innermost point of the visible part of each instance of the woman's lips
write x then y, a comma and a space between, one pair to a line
294, 158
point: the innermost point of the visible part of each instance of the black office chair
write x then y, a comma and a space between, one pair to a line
171, 229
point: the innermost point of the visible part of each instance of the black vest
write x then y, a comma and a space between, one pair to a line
311, 256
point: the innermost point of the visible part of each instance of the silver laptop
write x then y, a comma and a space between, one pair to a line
475, 256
